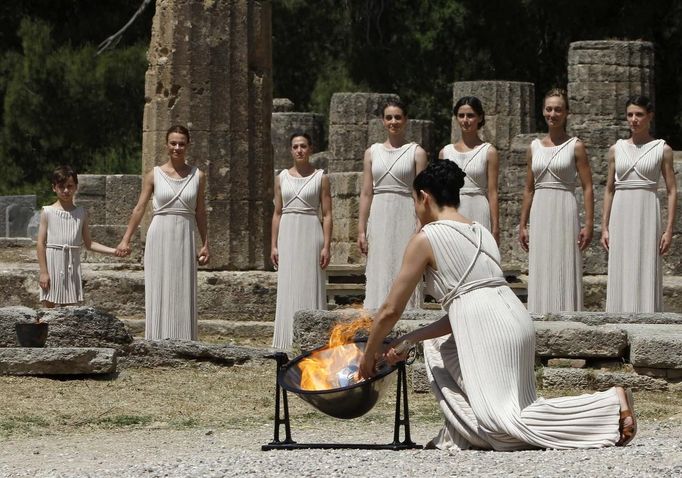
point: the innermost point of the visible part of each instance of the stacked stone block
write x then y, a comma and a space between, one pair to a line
349, 117
210, 68
418, 131
345, 191
509, 109
284, 123
109, 200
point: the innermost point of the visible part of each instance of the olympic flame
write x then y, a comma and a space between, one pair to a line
318, 371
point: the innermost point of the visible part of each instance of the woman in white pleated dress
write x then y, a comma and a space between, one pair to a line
300, 243
632, 232
556, 240
170, 257
387, 220
479, 160
480, 356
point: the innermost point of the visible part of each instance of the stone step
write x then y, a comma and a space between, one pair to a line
214, 328
57, 361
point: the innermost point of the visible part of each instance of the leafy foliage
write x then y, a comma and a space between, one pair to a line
61, 103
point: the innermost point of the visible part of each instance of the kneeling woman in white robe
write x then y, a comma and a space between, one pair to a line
480, 357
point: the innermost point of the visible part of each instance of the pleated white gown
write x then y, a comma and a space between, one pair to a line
170, 264
474, 195
392, 221
63, 253
482, 374
301, 282
554, 260
635, 280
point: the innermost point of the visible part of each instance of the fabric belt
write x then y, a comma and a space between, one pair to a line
66, 249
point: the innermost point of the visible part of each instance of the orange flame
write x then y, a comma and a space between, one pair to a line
318, 371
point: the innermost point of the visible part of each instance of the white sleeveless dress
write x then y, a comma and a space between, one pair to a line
474, 195
392, 221
554, 259
170, 263
482, 374
635, 269
301, 282
64, 241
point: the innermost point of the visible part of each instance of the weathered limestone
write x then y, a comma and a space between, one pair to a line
349, 117
416, 130
173, 353
345, 191
603, 74
655, 346
284, 124
509, 109
68, 327
573, 339
57, 361
222, 295
210, 68
602, 318
109, 200
282, 105
576, 379
15, 214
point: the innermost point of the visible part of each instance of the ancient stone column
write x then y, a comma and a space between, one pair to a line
349, 117
418, 131
602, 75
284, 123
508, 109
210, 68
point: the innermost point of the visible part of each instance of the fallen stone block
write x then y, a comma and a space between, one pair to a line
418, 377
576, 340
566, 363
655, 346
172, 353
601, 318
572, 378
57, 361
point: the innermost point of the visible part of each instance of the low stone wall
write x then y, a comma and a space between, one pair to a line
585, 350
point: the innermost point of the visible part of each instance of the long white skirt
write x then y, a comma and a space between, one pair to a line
392, 223
301, 282
483, 378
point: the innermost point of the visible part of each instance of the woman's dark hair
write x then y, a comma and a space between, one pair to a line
641, 101
61, 174
395, 103
442, 179
302, 134
177, 129
475, 104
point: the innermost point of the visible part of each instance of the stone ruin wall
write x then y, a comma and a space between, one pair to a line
602, 74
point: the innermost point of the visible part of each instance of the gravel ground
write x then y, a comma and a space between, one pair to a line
657, 451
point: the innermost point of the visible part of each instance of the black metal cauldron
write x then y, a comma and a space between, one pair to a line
31, 334
345, 402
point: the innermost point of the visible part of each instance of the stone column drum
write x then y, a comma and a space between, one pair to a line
508, 107
284, 123
602, 75
349, 117
210, 68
